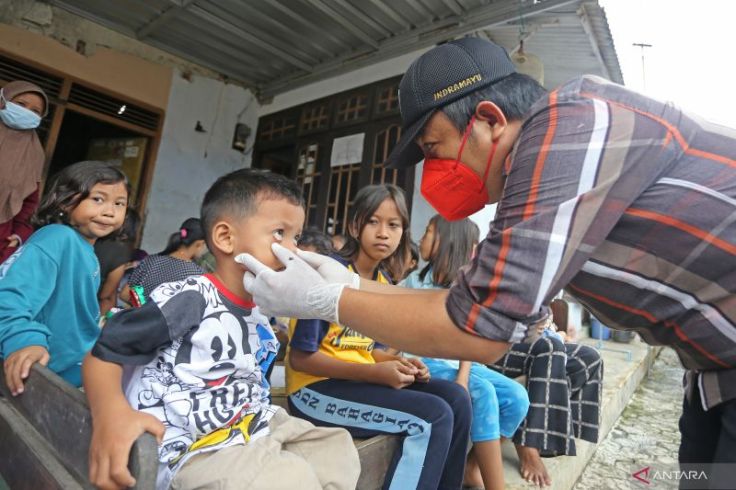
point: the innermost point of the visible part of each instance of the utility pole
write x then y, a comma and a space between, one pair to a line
643, 77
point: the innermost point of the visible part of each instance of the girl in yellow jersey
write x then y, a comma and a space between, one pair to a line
336, 378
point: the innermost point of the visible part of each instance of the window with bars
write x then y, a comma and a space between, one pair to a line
352, 108
315, 117
278, 128
308, 176
329, 191
344, 184
385, 141
387, 99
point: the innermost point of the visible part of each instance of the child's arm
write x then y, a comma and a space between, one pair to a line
463, 374
421, 372
115, 425
393, 373
108, 291
305, 356
131, 337
24, 289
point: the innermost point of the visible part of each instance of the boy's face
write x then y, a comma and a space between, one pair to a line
275, 220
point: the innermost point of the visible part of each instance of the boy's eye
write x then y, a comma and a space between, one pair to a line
278, 235
97, 199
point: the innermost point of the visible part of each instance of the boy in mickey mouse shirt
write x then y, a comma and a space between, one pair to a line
189, 366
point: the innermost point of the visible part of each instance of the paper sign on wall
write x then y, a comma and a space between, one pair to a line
347, 150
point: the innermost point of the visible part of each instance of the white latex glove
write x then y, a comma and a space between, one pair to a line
330, 269
298, 291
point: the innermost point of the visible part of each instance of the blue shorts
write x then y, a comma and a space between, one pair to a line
499, 403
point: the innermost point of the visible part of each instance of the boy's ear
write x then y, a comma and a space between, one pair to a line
222, 237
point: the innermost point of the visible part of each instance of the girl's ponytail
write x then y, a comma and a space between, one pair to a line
189, 232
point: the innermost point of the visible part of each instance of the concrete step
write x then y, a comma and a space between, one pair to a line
625, 365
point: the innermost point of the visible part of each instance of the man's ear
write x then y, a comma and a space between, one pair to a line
490, 113
222, 237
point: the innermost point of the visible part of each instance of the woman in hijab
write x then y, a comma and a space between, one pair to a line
22, 105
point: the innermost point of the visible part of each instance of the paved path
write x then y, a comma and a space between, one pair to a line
645, 435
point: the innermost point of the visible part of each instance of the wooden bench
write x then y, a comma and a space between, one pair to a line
375, 453
46, 432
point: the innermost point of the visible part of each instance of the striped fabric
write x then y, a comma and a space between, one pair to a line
629, 204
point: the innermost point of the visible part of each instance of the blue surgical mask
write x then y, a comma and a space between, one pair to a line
18, 117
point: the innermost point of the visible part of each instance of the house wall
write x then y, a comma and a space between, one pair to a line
187, 161
190, 161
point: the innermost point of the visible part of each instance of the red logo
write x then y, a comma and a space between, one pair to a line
642, 475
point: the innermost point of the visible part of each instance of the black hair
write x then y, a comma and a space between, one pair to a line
238, 193
408, 269
128, 233
454, 241
71, 186
366, 203
312, 237
131, 226
514, 95
189, 232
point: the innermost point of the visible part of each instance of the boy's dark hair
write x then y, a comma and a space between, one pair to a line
312, 237
456, 242
238, 192
71, 186
514, 95
189, 232
365, 204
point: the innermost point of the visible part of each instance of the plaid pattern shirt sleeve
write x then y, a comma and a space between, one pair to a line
628, 203
567, 186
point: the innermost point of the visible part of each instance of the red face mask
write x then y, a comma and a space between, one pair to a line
451, 187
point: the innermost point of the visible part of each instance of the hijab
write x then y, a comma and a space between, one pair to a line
21, 156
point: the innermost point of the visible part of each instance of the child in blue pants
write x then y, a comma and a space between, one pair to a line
336, 378
499, 403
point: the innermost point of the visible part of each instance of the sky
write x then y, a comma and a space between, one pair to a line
692, 60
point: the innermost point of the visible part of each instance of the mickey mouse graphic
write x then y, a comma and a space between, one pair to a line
215, 352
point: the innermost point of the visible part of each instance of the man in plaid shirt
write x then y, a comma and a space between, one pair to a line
626, 202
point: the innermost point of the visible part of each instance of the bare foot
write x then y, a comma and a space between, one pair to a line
531, 466
473, 477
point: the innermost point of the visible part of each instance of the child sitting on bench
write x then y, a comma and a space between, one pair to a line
195, 356
48, 287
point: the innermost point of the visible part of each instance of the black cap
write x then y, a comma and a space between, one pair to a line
442, 75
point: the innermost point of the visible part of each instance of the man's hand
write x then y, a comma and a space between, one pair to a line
298, 291
395, 374
113, 434
330, 269
18, 366
422, 375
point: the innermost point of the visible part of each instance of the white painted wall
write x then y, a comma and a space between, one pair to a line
362, 76
188, 161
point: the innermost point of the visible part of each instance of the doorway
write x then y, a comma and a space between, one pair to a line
83, 137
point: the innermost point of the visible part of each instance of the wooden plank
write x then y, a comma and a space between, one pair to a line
375, 458
28, 462
60, 414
